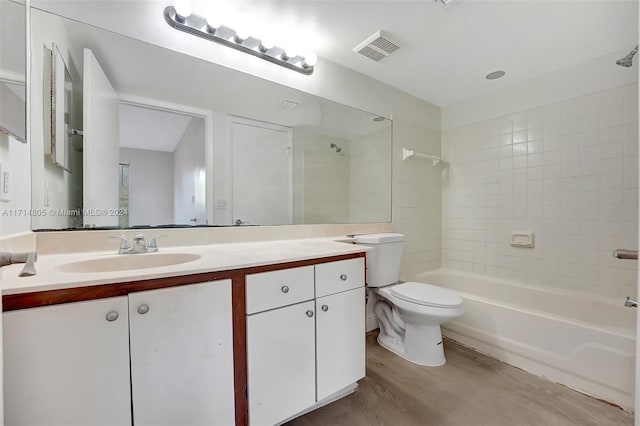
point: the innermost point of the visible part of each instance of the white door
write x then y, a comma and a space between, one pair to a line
100, 151
340, 341
261, 173
68, 364
182, 355
281, 363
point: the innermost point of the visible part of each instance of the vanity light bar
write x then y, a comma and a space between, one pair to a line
197, 25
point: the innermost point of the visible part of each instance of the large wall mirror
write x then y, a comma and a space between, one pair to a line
14, 152
153, 137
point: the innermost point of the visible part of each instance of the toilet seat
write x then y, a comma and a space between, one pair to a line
426, 295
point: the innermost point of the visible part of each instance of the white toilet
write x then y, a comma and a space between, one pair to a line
409, 313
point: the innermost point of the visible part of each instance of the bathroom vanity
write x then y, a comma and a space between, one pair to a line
225, 339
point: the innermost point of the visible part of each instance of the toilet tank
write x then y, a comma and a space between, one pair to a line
383, 260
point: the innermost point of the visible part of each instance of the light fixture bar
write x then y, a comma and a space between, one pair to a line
197, 25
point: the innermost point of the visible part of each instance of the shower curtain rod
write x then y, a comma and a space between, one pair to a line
406, 153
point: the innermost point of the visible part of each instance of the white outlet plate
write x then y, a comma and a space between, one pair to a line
5, 182
221, 204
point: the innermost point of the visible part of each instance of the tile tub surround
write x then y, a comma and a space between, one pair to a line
568, 172
417, 195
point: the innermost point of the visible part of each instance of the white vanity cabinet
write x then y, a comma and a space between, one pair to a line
281, 366
166, 355
299, 351
340, 337
182, 355
67, 364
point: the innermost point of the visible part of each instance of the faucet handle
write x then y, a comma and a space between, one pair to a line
125, 247
29, 267
152, 245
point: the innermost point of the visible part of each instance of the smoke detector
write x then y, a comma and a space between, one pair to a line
378, 46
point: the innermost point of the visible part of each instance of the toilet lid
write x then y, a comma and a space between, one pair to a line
426, 294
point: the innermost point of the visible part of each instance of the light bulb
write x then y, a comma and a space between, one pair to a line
266, 44
242, 34
310, 59
290, 52
183, 8
213, 23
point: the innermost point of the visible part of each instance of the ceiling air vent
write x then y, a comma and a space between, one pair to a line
377, 47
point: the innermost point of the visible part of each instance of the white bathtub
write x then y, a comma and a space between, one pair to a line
576, 340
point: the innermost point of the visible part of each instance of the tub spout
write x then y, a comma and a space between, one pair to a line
630, 303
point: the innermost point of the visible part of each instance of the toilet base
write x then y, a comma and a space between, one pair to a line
422, 345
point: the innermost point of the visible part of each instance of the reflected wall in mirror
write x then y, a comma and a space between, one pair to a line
12, 70
169, 139
14, 153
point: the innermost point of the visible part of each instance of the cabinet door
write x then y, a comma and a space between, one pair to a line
281, 363
182, 355
67, 364
340, 340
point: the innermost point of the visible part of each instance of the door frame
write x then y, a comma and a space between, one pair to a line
206, 115
234, 119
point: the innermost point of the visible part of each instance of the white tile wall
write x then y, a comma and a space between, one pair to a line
417, 209
566, 171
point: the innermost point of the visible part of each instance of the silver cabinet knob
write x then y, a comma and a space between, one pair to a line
285, 289
309, 313
343, 277
143, 309
111, 316
325, 308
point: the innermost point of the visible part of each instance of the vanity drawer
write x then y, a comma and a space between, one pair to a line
334, 277
269, 290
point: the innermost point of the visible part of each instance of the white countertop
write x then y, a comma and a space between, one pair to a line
214, 257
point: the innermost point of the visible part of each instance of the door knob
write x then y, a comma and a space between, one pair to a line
325, 308
343, 277
309, 313
630, 303
111, 316
143, 309
285, 289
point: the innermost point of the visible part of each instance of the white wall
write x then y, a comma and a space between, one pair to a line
150, 186
188, 159
568, 171
13, 218
45, 174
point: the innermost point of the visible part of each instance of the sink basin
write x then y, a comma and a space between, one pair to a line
128, 262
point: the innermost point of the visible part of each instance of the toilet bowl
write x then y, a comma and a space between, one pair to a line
420, 309
409, 313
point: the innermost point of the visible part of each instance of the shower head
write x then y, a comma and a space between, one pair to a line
336, 147
627, 61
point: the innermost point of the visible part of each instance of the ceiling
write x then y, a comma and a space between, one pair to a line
446, 51
151, 129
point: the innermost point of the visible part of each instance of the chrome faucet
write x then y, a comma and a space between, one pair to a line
28, 259
139, 245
